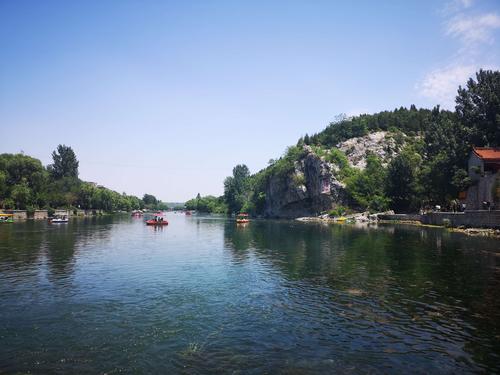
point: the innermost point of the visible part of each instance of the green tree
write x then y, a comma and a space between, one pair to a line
3, 185
366, 187
478, 108
86, 196
21, 195
64, 164
402, 181
149, 200
236, 188
445, 150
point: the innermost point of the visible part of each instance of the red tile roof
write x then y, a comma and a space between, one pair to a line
488, 153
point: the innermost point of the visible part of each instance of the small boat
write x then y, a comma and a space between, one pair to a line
242, 218
6, 218
188, 213
58, 219
137, 213
157, 220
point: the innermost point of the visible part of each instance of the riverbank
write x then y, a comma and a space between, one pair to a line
20, 215
471, 223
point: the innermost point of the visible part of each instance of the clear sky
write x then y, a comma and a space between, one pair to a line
165, 97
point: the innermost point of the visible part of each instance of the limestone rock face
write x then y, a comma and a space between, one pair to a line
381, 143
308, 190
312, 188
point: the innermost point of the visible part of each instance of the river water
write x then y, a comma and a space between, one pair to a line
111, 295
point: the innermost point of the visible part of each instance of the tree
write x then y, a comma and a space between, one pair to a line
401, 185
21, 194
445, 149
3, 184
478, 108
236, 188
65, 163
150, 200
366, 187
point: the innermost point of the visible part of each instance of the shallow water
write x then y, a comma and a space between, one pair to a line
110, 295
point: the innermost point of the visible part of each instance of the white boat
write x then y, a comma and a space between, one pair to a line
59, 219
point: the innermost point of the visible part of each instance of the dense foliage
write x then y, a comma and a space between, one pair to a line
411, 121
26, 184
209, 204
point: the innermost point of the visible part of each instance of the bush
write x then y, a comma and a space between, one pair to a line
8, 203
340, 159
299, 179
338, 211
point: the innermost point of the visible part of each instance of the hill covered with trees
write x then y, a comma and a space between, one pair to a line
425, 161
26, 184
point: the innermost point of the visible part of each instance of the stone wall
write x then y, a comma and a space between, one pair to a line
473, 219
400, 217
40, 215
61, 212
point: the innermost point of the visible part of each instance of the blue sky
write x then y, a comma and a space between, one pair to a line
166, 97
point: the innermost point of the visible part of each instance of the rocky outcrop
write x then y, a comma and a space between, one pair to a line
308, 190
312, 187
383, 144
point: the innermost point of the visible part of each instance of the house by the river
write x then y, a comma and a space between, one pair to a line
484, 171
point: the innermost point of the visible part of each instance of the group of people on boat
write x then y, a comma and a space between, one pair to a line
157, 220
58, 219
6, 218
242, 218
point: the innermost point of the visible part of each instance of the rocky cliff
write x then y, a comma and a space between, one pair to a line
312, 187
383, 144
306, 191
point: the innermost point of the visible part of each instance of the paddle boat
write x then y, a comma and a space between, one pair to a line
6, 218
157, 220
58, 219
137, 213
188, 213
242, 218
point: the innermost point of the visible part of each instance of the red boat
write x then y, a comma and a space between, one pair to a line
137, 213
157, 220
242, 218
154, 222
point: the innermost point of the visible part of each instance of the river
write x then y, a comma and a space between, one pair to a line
111, 295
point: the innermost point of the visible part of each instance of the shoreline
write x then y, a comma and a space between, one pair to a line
469, 231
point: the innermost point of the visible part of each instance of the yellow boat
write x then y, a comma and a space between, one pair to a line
6, 218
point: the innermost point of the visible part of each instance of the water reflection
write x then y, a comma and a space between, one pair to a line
204, 295
422, 278
25, 244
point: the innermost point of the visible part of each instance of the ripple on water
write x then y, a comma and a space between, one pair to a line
203, 296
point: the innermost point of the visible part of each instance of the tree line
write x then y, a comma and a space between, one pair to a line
430, 168
26, 184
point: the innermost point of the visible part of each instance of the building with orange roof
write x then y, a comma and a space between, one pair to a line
484, 171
